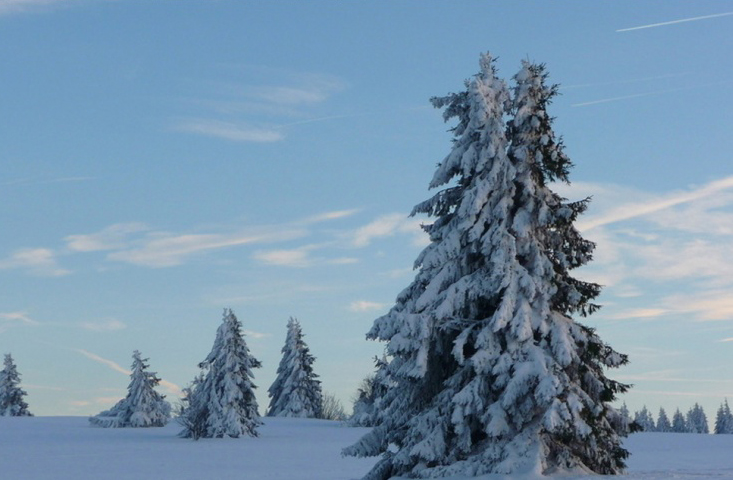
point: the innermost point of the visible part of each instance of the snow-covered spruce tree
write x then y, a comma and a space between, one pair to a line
12, 403
490, 373
367, 402
645, 420
296, 391
724, 419
697, 421
142, 407
223, 403
663, 424
679, 424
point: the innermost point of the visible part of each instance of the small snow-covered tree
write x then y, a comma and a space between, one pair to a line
12, 403
645, 420
696, 420
663, 424
296, 391
627, 422
490, 373
222, 402
366, 404
679, 424
142, 407
724, 419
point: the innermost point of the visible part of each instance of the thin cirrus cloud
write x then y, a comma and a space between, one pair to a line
387, 226
36, 261
103, 326
113, 237
366, 306
300, 257
234, 110
384, 226
629, 210
233, 131
646, 242
167, 250
674, 22
17, 6
18, 317
11, 319
138, 244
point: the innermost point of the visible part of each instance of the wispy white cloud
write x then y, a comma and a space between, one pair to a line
10, 320
234, 131
630, 210
232, 107
387, 226
140, 244
110, 325
300, 257
297, 257
326, 216
648, 243
712, 305
673, 22
723, 340
638, 313
111, 238
160, 249
256, 335
364, 306
16, 6
18, 317
36, 261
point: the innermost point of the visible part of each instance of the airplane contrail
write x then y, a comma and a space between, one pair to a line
682, 20
646, 94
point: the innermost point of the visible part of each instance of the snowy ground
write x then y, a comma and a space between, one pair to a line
62, 448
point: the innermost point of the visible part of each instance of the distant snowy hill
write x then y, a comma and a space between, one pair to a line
66, 448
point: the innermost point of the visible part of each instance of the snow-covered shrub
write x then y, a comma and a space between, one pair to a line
332, 408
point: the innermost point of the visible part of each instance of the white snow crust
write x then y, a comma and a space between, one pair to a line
66, 448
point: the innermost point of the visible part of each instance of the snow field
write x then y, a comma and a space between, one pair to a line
66, 448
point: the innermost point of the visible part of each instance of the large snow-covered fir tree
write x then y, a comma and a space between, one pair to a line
222, 402
142, 407
296, 391
12, 403
724, 419
490, 372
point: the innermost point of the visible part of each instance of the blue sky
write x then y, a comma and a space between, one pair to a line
164, 160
